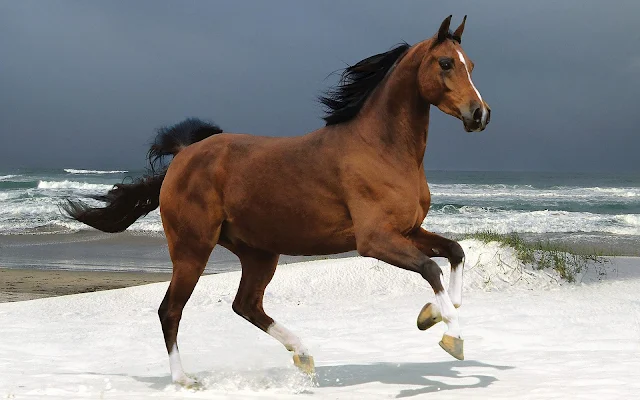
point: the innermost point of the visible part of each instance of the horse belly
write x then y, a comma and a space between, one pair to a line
292, 228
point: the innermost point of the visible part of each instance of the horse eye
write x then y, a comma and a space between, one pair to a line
446, 63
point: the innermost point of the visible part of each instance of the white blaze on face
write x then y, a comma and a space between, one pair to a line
484, 110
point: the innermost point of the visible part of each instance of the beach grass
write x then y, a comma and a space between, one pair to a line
567, 261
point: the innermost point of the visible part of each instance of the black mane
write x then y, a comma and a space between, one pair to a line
357, 82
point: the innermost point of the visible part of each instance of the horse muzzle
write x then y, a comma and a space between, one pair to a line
477, 117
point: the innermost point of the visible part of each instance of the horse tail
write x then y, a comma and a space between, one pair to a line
126, 202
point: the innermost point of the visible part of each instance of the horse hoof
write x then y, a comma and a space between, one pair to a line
189, 383
453, 346
304, 363
428, 317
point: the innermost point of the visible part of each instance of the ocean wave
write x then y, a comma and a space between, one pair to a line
73, 185
506, 192
44, 217
469, 219
30, 204
4, 196
91, 171
6, 177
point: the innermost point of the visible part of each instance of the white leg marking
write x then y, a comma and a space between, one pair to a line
455, 284
484, 110
177, 373
448, 311
287, 338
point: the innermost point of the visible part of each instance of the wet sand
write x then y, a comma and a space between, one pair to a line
35, 266
27, 284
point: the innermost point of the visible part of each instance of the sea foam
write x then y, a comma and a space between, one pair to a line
92, 171
73, 185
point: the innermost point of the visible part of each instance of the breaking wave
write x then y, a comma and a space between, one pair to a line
29, 204
73, 185
92, 171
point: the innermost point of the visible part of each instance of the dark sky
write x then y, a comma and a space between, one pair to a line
83, 84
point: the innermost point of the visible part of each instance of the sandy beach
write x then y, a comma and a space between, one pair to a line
28, 284
36, 266
557, 340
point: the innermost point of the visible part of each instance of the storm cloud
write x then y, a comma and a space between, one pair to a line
84, 84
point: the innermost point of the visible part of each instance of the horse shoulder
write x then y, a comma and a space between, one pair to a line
374, 192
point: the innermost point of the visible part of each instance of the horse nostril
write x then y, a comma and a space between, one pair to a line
477, 115
488, 115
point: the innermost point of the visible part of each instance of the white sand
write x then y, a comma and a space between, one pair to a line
527, 335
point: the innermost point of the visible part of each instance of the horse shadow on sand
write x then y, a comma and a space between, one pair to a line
423, 378
423, 375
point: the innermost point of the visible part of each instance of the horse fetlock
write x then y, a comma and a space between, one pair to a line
455, 284
453, 327
455, 294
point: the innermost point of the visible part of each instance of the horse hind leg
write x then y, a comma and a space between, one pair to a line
189, 253
258, 267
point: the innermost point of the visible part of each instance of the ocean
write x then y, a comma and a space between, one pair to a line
598, 211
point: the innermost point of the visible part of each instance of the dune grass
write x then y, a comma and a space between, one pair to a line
544, 254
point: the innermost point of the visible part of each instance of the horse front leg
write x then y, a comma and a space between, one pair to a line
398, 250
434, 245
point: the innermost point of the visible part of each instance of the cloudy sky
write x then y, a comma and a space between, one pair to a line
83, 84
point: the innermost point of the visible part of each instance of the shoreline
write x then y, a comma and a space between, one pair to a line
19, 284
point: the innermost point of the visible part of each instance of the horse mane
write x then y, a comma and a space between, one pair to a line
356, 84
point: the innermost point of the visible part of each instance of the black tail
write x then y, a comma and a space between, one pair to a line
127, 202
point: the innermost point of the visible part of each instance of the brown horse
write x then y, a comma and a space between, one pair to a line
357, 183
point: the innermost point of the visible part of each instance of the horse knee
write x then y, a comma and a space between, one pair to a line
164, 308
245, 309
237, 308
168, 316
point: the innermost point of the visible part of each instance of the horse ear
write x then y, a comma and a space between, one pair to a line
443, 32
457, 35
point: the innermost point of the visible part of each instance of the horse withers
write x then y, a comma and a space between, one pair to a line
357, 183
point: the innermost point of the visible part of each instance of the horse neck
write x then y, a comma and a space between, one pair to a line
397, 117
